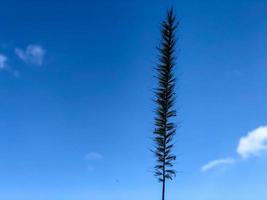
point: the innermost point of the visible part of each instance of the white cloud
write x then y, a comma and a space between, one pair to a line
33, 54
3, 60
254, 143
217, 163
94, 156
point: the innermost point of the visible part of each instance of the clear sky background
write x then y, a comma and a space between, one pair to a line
76, 115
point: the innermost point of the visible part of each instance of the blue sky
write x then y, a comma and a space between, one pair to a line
76, 80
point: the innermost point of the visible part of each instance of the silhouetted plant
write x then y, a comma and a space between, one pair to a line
165, 98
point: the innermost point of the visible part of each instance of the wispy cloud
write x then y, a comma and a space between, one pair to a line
94, 156
254, 143
251, 145
217, 163
3, 60
4, 66
34, 54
